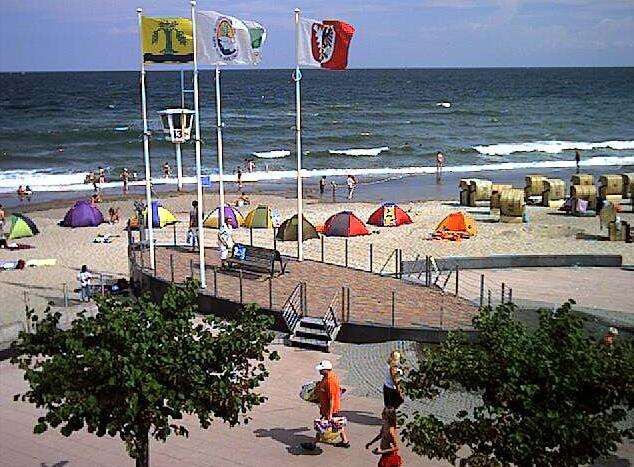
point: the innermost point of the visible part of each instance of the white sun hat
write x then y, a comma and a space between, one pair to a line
324, 365
612, 330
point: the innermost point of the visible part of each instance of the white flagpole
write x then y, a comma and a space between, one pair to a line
298, 140
146, 148
201, 230
221, 187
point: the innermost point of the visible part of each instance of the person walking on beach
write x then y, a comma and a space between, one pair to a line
192, 233
440, 163
577, 159
388, 449
84, 278
329, 392
102, 175
125, 177
334, 190
392, 392
167, 170
322, 186
239, 177
352, 183
2, 217
225, 241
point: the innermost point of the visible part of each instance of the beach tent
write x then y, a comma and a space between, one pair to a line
344, 224
259, 218
83, 214
160, 216
288, 230
389, 215
458, 222
21, 226
231, 214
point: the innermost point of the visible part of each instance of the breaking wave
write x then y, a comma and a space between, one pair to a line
359, 152
550, 147
277, 154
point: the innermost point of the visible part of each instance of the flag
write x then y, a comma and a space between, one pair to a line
225, 40
167, 40
324, 43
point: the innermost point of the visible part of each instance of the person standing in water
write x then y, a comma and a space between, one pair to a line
239, 177
577, 159
167, 171
352, 183
322, 186
125, 176
440, 163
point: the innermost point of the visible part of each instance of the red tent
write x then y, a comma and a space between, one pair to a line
389, 215
344, 224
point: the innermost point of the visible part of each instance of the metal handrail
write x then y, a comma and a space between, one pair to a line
330, 318
387, 262
289, 311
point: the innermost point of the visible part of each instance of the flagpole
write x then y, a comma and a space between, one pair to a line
221, 187
298, 140
146, 148
199, 187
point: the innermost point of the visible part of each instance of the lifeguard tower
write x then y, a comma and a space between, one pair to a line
177, 128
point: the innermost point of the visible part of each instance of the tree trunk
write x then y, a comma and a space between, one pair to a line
143, 450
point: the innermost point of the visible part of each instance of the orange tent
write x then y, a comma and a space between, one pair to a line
458, 222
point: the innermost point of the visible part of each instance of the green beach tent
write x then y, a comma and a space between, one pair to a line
288, 230
21, 227
259, 218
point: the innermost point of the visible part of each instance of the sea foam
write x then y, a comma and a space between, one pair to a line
272, 154
359, 152
550, 147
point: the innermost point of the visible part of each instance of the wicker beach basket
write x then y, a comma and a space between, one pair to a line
512, 205
496, 190
534, 185
582, 179
554, 191
610, 185
585, 192
479, 190
628, 184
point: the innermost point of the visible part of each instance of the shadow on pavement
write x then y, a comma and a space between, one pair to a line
292, 438
613, 461
362, 418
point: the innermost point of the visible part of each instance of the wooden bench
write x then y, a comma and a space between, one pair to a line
255, 258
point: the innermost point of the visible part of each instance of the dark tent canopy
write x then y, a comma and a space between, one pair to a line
288, 230
83, 214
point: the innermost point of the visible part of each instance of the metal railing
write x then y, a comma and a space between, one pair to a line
330, 318
293, 308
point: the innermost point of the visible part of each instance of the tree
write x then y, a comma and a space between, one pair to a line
135, 368
549, 397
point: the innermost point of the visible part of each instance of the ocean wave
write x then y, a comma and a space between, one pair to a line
550, 147
42, 181
272, 154
359, 152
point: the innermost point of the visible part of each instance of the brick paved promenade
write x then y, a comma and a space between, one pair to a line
370, 294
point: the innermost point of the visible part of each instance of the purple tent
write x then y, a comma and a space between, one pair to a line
82, 214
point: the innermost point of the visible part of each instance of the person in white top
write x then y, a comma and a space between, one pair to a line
84, 278
392, 392
225, 241
352, 183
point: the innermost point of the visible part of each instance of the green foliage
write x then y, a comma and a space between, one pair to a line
550, 397
137, 367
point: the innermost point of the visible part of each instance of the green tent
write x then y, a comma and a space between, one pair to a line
21, 226
259, 218
288, 230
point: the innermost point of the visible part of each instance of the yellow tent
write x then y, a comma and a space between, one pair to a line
459, 222
164, 217
259, 218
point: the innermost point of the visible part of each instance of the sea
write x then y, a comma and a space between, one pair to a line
57, 127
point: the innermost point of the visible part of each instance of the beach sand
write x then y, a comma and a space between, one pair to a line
548, 232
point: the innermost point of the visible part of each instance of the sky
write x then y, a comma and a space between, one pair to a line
69, 35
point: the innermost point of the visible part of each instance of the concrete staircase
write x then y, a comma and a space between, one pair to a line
312, 333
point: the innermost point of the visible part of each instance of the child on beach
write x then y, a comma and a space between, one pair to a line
84, 278
102, 175
167, 171
388, 435
125, 176
114, 215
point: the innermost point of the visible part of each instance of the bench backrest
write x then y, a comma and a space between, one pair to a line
254, 254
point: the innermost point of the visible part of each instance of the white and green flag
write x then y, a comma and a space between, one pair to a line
226, 40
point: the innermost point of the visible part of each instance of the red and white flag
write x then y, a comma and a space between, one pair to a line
324, 43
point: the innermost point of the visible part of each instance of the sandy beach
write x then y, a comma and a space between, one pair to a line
548, 232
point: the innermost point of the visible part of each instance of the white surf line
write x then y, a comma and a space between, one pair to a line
403, 171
